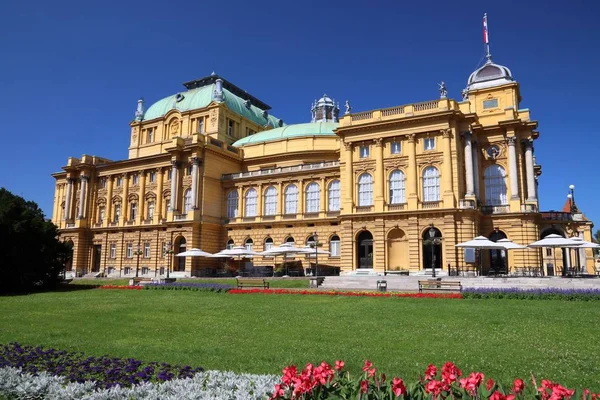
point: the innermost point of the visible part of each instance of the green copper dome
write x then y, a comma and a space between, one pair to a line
201, 97
290, 131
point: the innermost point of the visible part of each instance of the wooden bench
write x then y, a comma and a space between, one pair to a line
316, 281
242, 283
138, 280
432, 284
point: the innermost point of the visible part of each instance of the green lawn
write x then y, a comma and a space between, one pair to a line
274, 282
263, 333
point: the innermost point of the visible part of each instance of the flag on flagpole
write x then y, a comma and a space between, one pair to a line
486, 38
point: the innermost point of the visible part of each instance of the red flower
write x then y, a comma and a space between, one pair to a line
430, 372
450, 373
489, 384
518, 386
368, 364
500, 396
289, 373
398, 387
279, 392
472, 382
364, 386
339, 364
434, 387
371, 372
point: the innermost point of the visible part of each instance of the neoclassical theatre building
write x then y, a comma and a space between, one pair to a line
211, 167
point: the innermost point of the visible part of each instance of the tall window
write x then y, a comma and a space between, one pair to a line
395, 148
135, 179
117, 212
119, 181
365, 190
364, 151
251, 198
271, 201
150, 209
113, 250
187, 206
431, 184
313, 197
129, 252
291, 199
132, 211
334, 246
429, 144
231, 128
101, 214
334, 196
169, 174
232, 204
152, 176
147, 250
102, 183
268, 243
397, 187
494, 179
150, 135
201, 125
249, 244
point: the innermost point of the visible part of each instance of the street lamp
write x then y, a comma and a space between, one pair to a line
137, 252
167, 251
431, 236
571, 197
315, 243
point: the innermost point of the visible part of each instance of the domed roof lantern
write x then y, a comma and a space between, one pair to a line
490, 74
325, 110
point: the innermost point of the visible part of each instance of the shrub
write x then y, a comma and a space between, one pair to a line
533, 294
204, 287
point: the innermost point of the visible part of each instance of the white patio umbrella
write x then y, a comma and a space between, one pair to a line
510, 245
554, 241
481, 243
238, 252
582, 244
194, 253
286, 249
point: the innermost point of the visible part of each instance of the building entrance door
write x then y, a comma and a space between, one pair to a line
365, 250
96, 257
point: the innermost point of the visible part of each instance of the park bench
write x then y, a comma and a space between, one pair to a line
138, 280
316, 281
245, 282
397, 272
432, 284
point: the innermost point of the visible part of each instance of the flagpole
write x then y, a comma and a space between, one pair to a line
486, 38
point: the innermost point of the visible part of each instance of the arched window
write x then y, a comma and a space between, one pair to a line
290, 239
334, 246
365, 190
271, 201
230, 244
334, 196
232, 204
291, 199
117, 214
187, 205
150, 210
101, 213
268, 243
251, 198
313, 197
431, 184
132, 211
180, 261
397, 187
494, 179
249, 244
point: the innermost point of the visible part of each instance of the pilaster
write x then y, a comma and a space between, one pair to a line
125, 203
411, 176
347, 184
142, 198
109, 202
515, 201
158, 210
470, 185
379, 183
447, 184
322, 198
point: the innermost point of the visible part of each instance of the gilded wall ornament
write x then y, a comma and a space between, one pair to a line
174, 127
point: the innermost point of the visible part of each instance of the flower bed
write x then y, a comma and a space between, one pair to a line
327, 382
347, 293
206, 287
533, 294
104, 371
125, 287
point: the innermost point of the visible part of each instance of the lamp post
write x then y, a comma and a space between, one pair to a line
431, 236
137, 252
315, 243
167, 251
571, 197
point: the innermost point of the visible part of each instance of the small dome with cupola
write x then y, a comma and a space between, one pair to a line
489, 75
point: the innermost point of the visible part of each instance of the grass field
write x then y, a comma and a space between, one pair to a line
274, 283
263, 333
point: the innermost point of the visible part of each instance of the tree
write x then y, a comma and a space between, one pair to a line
31, 256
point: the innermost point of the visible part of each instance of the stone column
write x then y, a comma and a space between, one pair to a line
142, 196
476, 155
195, 163
82, 196
109, 203
125, 204
323, 198
469, 165
531, 192
512, 168
379, 178
300, 197
280, 199
68, 198
159, 196
240, 212
447, 181
174, 178
260, 201
412, 179
348, 181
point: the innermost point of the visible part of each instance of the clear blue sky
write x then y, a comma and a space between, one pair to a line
71, 72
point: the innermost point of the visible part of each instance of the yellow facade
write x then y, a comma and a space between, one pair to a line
372, 187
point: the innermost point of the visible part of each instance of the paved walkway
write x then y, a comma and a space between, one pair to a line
409, 283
